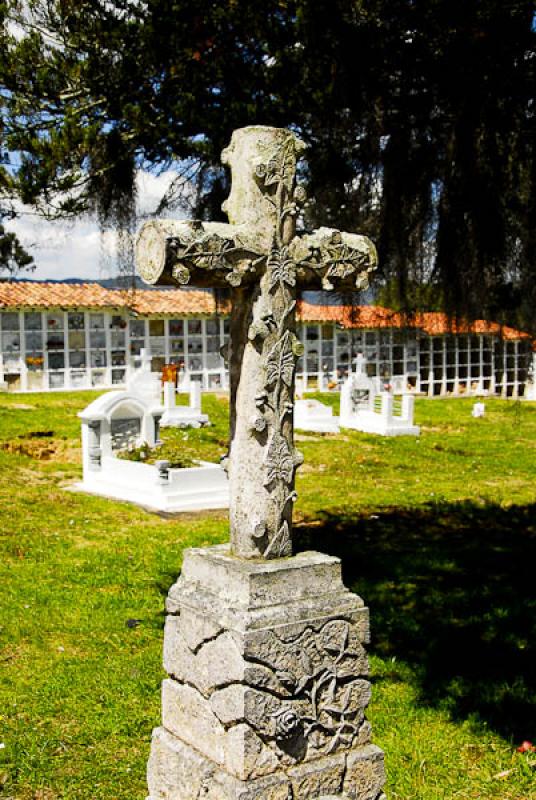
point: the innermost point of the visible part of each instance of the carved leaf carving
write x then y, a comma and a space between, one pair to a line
280, 362
343, 261
281, 167
333, 258
282, 267
306, 662
279, 461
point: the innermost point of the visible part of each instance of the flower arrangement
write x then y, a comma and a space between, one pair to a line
144, 453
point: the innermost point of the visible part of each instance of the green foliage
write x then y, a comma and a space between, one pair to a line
13, 256
437, 535
418, 115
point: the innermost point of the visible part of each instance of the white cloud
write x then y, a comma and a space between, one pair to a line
78, 249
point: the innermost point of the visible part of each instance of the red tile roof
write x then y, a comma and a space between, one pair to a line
434, 323
197, 302
172, 301
29, 294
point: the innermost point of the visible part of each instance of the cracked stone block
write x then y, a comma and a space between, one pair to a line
318, 778
260, 688
177, 772
210, 666
365, 774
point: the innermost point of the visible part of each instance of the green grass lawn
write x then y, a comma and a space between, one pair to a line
438, 534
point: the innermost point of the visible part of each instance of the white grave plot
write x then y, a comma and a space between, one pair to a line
365, 408
314, 416
120, 419
189, 416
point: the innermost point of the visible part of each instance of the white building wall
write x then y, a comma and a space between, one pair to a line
58, 349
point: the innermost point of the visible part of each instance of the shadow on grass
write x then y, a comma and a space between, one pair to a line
452, 591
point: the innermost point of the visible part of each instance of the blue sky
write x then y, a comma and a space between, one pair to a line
77, 249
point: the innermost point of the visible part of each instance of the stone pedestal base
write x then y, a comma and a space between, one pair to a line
267, 684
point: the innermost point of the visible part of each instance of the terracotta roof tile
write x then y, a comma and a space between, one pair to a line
172, 301
434, 323
29, 294
197, 302
350, 316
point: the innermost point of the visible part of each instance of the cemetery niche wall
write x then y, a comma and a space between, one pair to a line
264, 650
56, 336
118, 421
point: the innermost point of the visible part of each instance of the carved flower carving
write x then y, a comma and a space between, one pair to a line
300, 195
258, 424
287, 722
181, 275
234, 279
260, 170
281, 167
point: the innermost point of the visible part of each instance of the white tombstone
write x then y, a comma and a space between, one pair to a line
479, 410
357, 393
3, 382
189, 416
115, 421
183, 380
143, 382
314, 416
364, 407
299, 387
530, 387
120, 420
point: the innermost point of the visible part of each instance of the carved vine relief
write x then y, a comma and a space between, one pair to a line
280, 348
322, 258
327, 698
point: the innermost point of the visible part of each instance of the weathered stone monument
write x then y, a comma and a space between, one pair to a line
265, 653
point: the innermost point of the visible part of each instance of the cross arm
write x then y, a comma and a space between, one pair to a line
333, 260
204, 254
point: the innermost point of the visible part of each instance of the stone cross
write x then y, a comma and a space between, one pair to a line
259, 256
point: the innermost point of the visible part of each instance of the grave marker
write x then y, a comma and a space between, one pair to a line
264, 263
267, 685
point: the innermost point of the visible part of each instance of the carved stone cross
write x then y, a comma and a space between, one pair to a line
265, 264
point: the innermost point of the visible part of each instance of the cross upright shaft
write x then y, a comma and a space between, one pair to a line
260, 258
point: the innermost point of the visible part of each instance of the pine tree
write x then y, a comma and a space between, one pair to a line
419, 116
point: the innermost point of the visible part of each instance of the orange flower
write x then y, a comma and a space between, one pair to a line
526, 747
